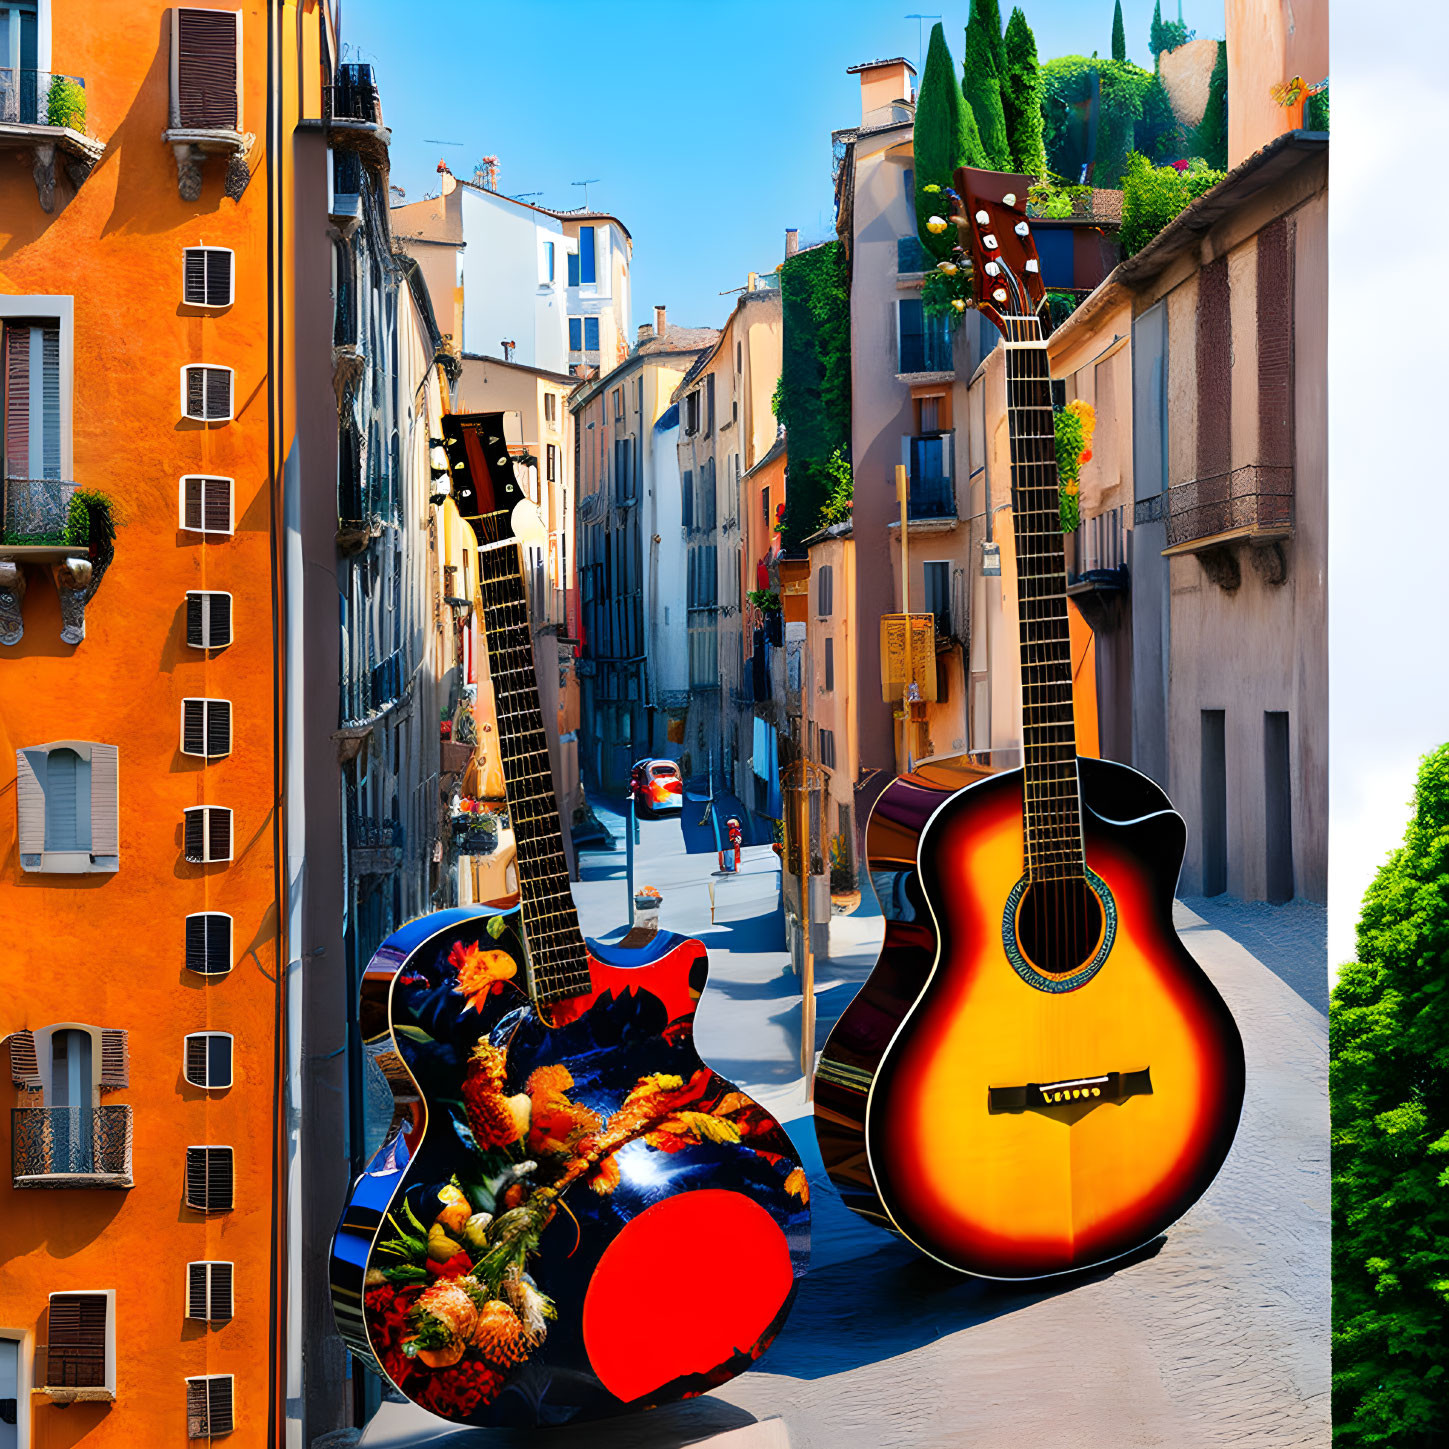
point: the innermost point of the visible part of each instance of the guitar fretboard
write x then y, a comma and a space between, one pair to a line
1049, 740
558, 962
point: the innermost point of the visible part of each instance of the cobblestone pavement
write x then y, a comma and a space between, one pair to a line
1218, 1338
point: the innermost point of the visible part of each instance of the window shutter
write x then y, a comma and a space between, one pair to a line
208, 943
105, 801
206, 727
30, 800
196, 834
195, 392
209, 1291
76, 1354
218, 843
206, 504
17, 401
24, 1064
207, 277
208, 834
218, 392
208, 1059
209, 1179
208, 620
115, 1059
206, 69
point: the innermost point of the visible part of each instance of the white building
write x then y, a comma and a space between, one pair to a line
598, 295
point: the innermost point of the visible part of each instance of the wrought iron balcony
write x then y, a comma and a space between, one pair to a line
41, 98
71, 1146
1253, 503
35, 514
352, 113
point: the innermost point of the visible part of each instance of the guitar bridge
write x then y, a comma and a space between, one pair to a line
1073, 1091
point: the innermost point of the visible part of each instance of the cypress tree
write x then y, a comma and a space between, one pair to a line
1021, 97
945, 138
987, 14
1211, 138
1388, 1044
1119, 34
1155, 36
982, 87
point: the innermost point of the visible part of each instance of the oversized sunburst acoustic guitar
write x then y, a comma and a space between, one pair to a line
572, 1215
1037, 1077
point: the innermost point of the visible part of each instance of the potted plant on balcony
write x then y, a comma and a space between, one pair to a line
65, 105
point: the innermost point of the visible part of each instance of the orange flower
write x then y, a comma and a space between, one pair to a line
480, 973
605, 1178
797, 1186
556, 1124
491, 1117
500, 1336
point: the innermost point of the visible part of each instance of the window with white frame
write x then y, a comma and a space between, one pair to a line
547, 261
80, 1349
210, 1179
209, 1291
209, 1406
205, 69
207, 504
208, 834
206, 727
208, 1059
67, 801
550, 408
206, 393
207, 277
208, 943
208, 619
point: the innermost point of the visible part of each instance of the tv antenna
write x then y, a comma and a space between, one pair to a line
921, 36
592, 181
524, 195
430, 141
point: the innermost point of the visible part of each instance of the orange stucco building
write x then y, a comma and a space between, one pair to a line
148, 356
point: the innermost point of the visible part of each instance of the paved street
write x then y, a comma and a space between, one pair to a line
1221, 1338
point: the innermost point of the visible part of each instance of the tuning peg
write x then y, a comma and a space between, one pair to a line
989, 241
1000, 294
1022, 228
1009, 199
1032, 265
983, 217
991, 269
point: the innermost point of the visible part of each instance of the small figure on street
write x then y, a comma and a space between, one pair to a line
735, 834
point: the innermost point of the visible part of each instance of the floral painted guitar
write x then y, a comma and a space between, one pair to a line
573, 1215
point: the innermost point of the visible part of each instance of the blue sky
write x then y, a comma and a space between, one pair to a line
706, 122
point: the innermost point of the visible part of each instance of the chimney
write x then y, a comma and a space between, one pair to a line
646, 332
792, 240
659, 321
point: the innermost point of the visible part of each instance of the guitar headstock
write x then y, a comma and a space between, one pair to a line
989, 210
483, 479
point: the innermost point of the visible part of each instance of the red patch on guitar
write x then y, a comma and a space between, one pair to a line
686, 1284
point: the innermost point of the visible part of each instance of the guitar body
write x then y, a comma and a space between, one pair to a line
573, 1215
1018, 1125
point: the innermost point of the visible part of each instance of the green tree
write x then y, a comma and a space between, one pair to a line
987, 14
1119, 34
1153, 195
982, 86
1021, 97
1154, 36
1388, 1043
945, 138
1211, 138
813, 396
1133, 115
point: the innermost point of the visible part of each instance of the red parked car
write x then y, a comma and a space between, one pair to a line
656, 785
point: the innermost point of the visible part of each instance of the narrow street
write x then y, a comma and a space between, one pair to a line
1220, 1338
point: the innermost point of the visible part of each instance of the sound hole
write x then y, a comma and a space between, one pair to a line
1059, 925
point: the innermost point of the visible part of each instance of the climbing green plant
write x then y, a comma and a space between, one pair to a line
65, 104
1075, 425
813, 396
946, 293
767, 601
1021, 96
89, 511
1134, 114
1388, 1082
1153, 195
840, 500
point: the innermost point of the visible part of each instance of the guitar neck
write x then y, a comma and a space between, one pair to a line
1049, 741
557, 958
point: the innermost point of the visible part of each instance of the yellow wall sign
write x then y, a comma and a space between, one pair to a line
897, 667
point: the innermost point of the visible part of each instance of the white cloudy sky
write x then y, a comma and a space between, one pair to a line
1389, 490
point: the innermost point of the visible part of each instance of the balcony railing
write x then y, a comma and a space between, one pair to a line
1250, 502
41, 98
71, 1146
34, 513
1096, 552
354, 97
